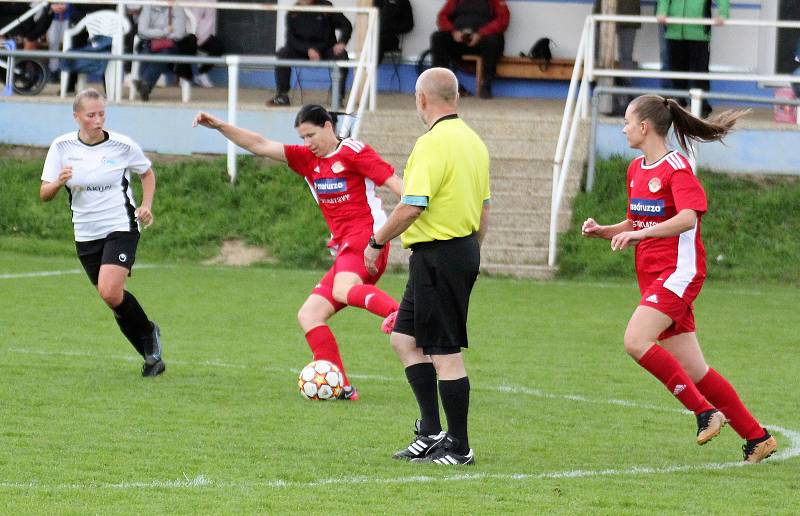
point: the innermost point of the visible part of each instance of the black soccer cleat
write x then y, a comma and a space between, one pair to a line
709, 424
348, 393
154, 369
421, 446
756, 450
446, 454
153, 365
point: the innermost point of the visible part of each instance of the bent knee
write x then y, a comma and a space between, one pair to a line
110, 295
635, 345
340, 294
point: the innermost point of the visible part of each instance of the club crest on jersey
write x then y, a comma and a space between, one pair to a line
337, 167
330, 185
647, 207
654, 185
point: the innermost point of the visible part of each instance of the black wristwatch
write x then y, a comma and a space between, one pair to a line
375, 245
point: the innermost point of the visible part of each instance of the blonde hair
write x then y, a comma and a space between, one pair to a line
88, 93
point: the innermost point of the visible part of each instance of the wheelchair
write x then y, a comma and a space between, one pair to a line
30, 75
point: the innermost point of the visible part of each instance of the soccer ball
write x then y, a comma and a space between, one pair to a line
320, 380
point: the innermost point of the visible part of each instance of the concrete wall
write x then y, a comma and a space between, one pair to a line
155, 128
761, 151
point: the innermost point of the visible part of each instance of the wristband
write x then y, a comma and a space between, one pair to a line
375, 245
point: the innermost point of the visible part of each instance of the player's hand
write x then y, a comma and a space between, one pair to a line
590, 228
144, 215
661, 19
625, 239
370, 259
473, 39
65, 175
314, 55
206, 120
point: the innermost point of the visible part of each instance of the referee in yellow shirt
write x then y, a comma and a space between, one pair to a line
442, 216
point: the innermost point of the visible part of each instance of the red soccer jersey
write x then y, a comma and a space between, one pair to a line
657, 193
343, 183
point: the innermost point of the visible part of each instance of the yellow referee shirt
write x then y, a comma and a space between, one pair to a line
447, 173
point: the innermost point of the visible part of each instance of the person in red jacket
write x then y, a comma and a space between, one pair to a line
471, 27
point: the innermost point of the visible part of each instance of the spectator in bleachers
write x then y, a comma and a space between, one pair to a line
311, 35
471, 27
77, 13
626, 36
55, 35
32, 29
101, 33
689, 45
207, 41
396, 18
160, 28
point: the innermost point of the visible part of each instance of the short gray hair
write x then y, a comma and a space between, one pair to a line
439, 84
88, 93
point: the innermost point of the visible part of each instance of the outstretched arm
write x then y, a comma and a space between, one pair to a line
592, 229
245, 139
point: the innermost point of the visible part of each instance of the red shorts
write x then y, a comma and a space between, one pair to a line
670, 304
350, 258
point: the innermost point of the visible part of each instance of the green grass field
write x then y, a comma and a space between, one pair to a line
562, 421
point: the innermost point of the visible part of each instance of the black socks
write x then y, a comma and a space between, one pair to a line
134, 323
455, 401
422, 378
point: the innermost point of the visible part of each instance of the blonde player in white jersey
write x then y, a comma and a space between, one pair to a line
94, 166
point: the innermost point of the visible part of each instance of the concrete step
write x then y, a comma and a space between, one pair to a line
507, 167
405, 122
543, 148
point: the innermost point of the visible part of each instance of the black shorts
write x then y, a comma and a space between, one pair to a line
118, 248
436, 300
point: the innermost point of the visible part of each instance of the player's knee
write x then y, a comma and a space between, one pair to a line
635, 345
308, 318
110, 294
339, 293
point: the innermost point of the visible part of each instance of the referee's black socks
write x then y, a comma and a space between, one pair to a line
422, 378
133, 322
455, 401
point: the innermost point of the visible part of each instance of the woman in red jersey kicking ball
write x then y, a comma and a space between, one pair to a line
665, 205
342, 174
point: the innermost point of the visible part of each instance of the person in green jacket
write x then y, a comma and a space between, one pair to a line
689, 45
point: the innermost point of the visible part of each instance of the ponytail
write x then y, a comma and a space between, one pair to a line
663, 113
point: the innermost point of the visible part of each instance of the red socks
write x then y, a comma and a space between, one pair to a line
373, 299
661, 364
722, 394
323, 346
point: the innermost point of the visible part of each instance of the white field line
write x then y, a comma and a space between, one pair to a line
42, 274
201, 481
790, 448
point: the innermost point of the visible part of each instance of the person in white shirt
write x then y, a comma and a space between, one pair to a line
95, 166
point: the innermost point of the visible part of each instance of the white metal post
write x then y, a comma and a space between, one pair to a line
117, 48
373, 64
233, 93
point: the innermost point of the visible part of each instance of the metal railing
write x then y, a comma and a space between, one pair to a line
578, 97
363, 91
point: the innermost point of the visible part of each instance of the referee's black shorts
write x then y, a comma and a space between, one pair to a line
436, 300
118, 248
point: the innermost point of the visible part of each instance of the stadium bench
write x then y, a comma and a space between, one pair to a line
523, 68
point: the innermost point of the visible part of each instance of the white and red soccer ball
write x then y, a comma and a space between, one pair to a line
320, 380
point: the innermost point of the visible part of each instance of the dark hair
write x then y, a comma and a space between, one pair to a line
317, 115
663, 113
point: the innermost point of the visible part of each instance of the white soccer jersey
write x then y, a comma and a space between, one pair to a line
99, 192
